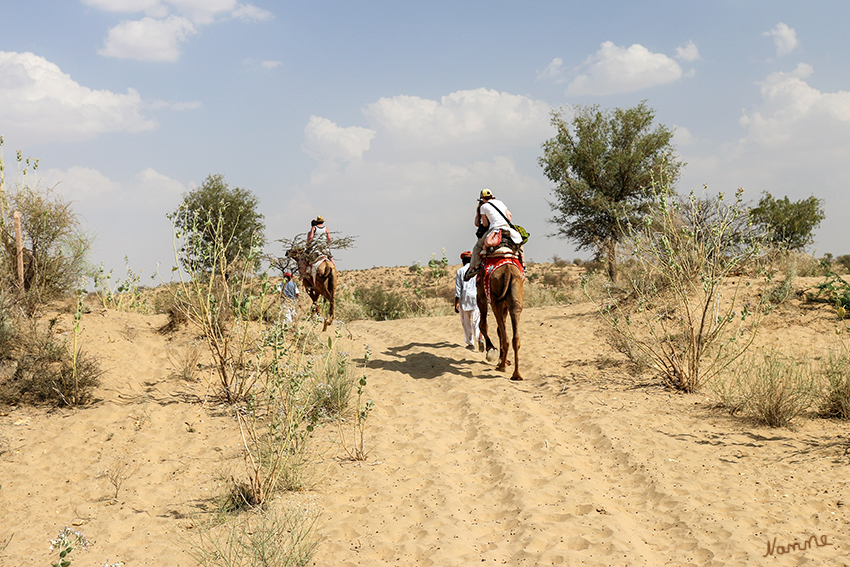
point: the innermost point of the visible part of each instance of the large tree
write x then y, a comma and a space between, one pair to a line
603, 165
789, 224
219, 224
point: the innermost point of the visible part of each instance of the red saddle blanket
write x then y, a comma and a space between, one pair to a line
490, 265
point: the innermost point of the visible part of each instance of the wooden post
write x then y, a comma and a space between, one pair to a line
19, 240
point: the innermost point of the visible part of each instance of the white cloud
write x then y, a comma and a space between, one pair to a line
167, 24
39, 103
784, 38
153, 8
796, 142
682, 136
251, 13
79, 183
688, 52
148, 39
795, 113
325, 142
478, 120
614, 70
554, 71
93, 191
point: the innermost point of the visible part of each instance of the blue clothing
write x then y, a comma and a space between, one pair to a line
290, 290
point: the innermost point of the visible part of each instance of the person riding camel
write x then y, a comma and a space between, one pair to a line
318, 225
490, 216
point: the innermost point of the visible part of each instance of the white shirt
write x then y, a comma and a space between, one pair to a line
496, 220
466, 291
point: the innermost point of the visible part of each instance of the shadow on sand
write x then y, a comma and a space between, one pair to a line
424, 364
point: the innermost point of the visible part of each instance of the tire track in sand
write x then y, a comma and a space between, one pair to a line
468, 467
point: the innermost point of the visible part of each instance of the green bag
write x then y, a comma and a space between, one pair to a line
522, 232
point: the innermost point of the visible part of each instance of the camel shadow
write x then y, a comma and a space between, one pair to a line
422, 365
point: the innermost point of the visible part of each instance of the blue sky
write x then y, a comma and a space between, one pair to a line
388, 117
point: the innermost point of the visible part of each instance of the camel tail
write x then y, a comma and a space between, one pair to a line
511, 275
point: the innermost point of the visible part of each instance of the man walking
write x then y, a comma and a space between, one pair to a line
466, 303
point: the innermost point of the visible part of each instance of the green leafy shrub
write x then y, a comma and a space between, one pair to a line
790, 225
219, 227
834, 289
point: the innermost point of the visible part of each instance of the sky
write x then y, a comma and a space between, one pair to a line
389, 117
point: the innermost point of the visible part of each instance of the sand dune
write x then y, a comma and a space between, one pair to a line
580, 464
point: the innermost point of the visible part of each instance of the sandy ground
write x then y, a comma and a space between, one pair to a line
580, 464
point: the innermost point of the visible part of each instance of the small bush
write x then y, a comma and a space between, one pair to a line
383, 305
834, 289
55, 247
772, 391
260, 537
559, 262
781, 291
47, 372
333, 386
836, 398
677, 311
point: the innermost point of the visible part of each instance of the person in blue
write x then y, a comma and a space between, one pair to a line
290, 296
466, 303
290, 289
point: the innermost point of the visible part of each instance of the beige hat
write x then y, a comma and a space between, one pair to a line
320, 219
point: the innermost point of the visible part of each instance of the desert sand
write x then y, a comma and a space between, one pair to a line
583, 463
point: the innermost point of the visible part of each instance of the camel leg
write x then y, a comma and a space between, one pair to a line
500, 314
515, 324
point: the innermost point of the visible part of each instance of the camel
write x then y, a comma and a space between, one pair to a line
319, 279
506, 286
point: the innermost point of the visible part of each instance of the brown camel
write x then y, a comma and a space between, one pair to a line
506, 286
323, 285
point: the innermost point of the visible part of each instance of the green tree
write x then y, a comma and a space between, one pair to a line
603, 165
789, 225
216, 217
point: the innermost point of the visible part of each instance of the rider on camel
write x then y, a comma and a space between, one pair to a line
491, 214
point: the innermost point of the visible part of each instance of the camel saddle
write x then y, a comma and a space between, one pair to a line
309, 271
499, 245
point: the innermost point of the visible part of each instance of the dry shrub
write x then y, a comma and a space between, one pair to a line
46, 371
772, 391
347, 308
185, 360
383, 305
55, 247
676, 309
836, 398
261, 537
